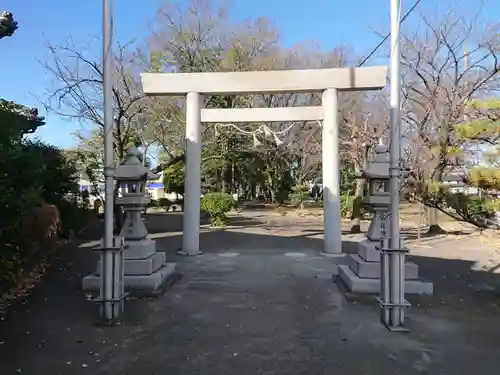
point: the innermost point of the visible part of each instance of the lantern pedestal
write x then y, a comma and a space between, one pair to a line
362, 271
141, 276
140, 249
145, 270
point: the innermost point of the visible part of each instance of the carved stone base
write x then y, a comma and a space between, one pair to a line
140, 266
140, 249
145, 270
152, 284
368, 250
371, 270
356, 284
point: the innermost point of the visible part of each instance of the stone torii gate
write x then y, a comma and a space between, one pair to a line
327, 81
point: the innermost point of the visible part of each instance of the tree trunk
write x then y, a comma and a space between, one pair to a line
432, 212
433, 220
223, 179
358, 194
272, 194
233, 178
356, 206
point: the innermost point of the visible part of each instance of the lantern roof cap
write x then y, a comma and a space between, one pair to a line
132, 167
378, 167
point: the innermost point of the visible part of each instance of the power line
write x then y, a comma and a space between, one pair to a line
388, 35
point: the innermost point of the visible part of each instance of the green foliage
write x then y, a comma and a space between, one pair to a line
434, 192
75, 214
346, 205
232, 164
33, 173
301, 188
173, 178
164, 203
481, 127
217, 205
485, 178
347, 180
347, 189
484, 121
488, 104
472, 208
298, 194
478, 127
20, 120
296, 199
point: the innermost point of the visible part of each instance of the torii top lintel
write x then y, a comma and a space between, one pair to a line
271, 81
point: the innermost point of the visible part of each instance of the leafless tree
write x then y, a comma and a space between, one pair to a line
76, 94
446, 64
76, 90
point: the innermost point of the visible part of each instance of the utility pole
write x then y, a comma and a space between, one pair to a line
7, 24
393, 253
111, 298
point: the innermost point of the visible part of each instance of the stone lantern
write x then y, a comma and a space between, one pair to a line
145, 269
363, 270
377, 200
133, 176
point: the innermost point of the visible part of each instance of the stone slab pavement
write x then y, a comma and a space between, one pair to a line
258, 301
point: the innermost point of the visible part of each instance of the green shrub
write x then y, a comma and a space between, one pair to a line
74, 216
173, 178
347, 180
472, 207
164, 203
492, 205
298, 193
180, 202
296, 198
434, 192
35, 173
216, 205
346, 205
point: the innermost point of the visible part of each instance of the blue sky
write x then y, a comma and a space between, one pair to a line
329, 22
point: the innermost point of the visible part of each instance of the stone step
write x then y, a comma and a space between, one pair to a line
138, 267
356, 284
371, 270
